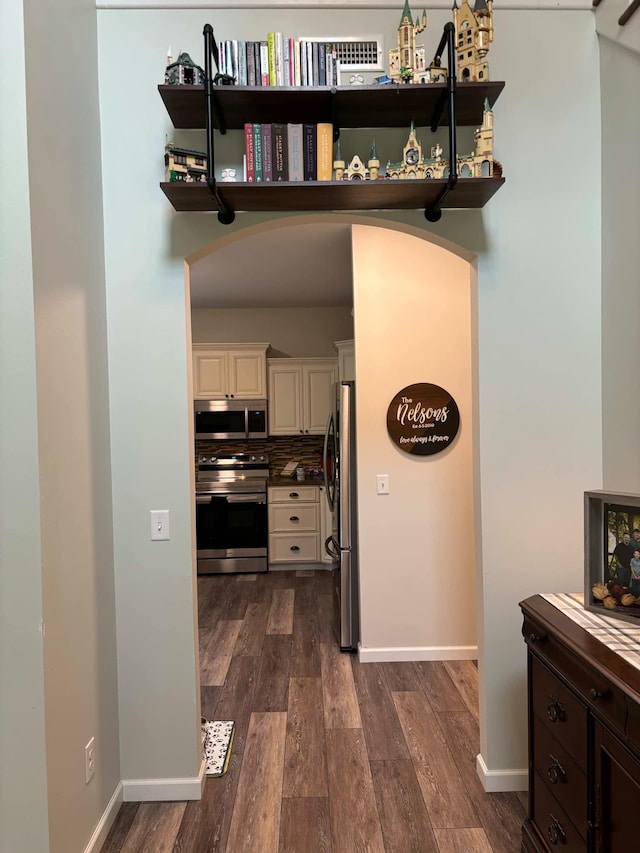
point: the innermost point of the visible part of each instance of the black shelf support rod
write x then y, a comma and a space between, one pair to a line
225, 215
434, 212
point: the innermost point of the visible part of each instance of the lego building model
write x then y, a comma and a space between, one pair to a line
480, 164
473, 35
183, 72
182, 164
356, 170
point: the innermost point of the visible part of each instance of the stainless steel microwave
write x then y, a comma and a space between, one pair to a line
216, 419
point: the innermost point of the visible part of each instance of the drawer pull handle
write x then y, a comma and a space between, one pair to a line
294, 495
595, 694
555, 710
294, 548
556, 831
293, 518
537, 638
556, 770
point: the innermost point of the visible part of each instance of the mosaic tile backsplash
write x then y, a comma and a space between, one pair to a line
281, 449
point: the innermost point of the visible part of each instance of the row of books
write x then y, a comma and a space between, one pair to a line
279, 61
288, 152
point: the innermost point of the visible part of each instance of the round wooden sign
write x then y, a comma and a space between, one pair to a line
423, 419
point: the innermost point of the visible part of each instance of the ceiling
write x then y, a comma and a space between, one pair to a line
298, 266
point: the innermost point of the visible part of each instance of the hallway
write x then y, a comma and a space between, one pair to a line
329, 755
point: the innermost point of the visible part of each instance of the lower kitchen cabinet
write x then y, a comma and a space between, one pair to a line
584, 723
294, 524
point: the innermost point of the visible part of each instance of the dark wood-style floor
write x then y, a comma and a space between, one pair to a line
330, 755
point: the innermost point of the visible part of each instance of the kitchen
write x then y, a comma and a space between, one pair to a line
261, 409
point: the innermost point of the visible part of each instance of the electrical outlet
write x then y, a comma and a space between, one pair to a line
90, 760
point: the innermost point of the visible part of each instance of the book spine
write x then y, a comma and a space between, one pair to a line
267, 153
251, 64
322, 66
294, 146
296, 63
248, 148
315, 63
279, 60
271, 45
303, 62
242, 63
279, 147
264, 64
292, 62
324, 146
256, 62
286, 63
257, 151
222, 60
309, 63
235, 62
309, 152
329, 65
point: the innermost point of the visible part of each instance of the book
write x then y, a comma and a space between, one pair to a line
279, 59
267, 153
257, 152
251, 64
248, 149
322, 65
309, 162
271, 48
324, 148
279, 149
294, 150
242, 63
264, 63
217, 738
315, 67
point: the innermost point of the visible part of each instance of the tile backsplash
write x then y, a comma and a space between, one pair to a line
281, 449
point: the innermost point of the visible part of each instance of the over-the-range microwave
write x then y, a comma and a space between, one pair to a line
217, 419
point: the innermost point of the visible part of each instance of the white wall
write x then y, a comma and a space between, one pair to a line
293, 332
417, 553
537, 243
620, 78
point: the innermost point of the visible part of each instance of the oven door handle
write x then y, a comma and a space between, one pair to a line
203, 499
246, 499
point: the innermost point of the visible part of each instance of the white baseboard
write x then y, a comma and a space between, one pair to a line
494, 781
160, 790
106, 822
371, 654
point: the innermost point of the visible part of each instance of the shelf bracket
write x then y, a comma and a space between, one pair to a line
434, 211
336, 130
225, 214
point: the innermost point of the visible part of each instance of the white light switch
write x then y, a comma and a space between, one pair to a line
160, 524
382, 484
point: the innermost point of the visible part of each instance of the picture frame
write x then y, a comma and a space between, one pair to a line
610, 519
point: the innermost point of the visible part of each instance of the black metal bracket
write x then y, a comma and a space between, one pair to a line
434, 212
225, 215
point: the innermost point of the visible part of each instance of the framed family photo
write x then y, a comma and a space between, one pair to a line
612, 554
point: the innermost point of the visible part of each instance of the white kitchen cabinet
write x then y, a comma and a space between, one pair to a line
346, 360
300, 395
230, 371
294, 524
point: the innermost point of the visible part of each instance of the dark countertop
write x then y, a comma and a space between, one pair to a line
293, 481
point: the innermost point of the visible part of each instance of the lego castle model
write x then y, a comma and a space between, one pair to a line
473, 35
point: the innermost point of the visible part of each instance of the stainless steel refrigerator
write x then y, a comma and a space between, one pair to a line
340, 481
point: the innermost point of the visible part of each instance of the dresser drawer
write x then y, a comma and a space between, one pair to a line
559, 710
560, 773
299, 494
290, 517
553, 822
285, 548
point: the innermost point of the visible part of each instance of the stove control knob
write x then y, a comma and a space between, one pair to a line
263, 458
213, 459
202, 459
252, 458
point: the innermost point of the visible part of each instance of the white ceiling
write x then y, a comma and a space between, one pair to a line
299, 266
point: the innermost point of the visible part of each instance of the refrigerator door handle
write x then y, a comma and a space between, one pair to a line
325, 462
330, 540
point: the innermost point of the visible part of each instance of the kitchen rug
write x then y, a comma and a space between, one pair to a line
217, 738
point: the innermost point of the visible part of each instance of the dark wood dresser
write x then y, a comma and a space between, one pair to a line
584, 737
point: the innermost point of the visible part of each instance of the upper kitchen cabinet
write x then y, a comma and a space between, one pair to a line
230, 371
346, 360
300, 395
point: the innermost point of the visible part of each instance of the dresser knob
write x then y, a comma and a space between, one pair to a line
537, 638
555, 770
555, 710
556, 831
595, 694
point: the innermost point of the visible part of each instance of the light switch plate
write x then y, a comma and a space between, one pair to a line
160, 524
382, 484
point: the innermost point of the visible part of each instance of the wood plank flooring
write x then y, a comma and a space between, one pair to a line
330, 755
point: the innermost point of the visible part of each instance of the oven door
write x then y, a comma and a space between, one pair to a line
231, 525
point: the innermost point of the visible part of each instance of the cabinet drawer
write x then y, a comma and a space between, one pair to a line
559, 710
293, 549
300, 494
553, 822
292, 517
561, 774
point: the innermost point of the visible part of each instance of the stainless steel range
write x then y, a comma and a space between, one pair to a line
231, 513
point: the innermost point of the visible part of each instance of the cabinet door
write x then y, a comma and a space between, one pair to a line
285, 400
617, 794
210, 375
247, 371
346, 361
317, 381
